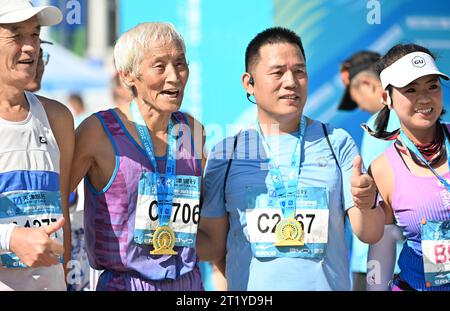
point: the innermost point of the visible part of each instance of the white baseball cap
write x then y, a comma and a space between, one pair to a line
409, 68
16, 11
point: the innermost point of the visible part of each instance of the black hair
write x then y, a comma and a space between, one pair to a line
362, 61
270, 36
393, 55
77, 97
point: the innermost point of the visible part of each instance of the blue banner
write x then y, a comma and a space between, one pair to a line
217, 33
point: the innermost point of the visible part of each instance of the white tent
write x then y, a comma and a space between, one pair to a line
68, 72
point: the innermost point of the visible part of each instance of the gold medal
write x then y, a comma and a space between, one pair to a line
289, 232
163, 241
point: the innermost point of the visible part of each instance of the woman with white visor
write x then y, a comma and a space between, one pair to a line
413, 175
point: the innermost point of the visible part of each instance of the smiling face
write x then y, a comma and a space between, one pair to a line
163, 75
280, 80
19, 46
419, 104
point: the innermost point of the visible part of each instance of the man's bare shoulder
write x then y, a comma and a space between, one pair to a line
196, 127
92, 127
193, 123
54, 108
60, 119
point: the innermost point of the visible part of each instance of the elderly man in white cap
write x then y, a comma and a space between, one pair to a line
36, 147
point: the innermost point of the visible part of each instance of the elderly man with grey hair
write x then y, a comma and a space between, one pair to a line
143, 171
36, 143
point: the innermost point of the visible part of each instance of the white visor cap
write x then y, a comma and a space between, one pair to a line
16, 11
409, 68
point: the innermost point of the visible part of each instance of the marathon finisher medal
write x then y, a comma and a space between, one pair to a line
163, 237
289, 232
163, 241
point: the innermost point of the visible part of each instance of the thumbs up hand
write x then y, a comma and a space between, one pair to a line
362, 186
34, 246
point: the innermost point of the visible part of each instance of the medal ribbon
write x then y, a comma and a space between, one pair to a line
410, 145
286, 196
165, 188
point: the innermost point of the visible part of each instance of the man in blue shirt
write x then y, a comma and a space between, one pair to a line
276, 194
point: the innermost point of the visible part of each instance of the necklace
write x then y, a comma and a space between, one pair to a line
432, 152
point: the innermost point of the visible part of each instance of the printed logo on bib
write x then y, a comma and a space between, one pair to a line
185, 211
312, 214
436, 252
29, 209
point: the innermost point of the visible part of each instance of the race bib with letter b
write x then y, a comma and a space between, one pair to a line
436, 252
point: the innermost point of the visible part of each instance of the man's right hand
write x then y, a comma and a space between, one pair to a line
34, 246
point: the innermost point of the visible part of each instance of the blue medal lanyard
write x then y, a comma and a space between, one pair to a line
410, 145
165, 189
287, 198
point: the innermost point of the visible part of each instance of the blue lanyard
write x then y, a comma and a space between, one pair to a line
166, 187
409, 144
286, 197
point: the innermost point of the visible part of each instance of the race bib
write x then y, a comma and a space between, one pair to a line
185, 210
436, 252
29, 209
311, 212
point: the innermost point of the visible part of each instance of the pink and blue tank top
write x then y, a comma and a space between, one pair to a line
414, 200
110, 213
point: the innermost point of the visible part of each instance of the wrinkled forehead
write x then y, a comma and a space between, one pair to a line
165, 50
28, 25
167, 45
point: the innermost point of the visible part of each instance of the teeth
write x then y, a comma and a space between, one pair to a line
423, 110
170, 92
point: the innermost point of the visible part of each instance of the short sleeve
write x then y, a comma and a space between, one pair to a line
213, 180
346, 151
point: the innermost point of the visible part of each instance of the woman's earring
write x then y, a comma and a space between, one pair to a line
389, 102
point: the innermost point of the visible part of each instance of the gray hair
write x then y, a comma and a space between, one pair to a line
356, 80
131, 46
